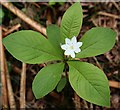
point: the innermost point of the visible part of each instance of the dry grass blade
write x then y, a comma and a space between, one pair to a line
24, 17
23, 87
3, 75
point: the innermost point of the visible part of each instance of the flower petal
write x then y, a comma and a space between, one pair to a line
79, 44
74, 40
77, 50
64, 47
72, 54
68, 52
67, 41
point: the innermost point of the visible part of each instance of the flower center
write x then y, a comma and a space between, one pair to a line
71, 47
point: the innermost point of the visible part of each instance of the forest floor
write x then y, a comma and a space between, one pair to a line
20, 95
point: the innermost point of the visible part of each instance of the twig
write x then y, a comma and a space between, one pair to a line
36, 4
3, 75
22, 87
98, 64
16, 69
116, 5
94, 22
12, 29
10, 90
24, 17
114, 84
4, 29
109, 15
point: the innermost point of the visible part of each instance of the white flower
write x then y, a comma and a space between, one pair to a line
71, 46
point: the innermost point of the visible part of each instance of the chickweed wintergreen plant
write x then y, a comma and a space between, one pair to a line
87, 80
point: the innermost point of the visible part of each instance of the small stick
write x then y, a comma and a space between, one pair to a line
109, 15
16, 69
24, 17
4, 29
98, 64
3, 75
10, 90
116, 5
94, 22
22, 87
114, 84
12, 29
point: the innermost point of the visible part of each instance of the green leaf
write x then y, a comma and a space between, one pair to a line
71, 21
1, 13
30, 47
53, 33
52, 2
96, 41
47, 79
89, 82
61, 84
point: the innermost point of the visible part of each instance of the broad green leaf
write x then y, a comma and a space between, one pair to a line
89, 82
71, 21
53, 33
96, 41
61, 84
47, 79
30, 47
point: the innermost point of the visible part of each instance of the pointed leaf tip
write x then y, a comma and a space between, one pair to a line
89, 82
